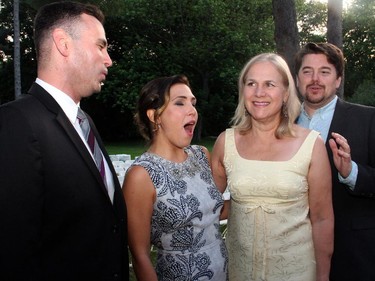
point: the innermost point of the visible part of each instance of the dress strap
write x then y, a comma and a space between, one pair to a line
229, 145
307, 146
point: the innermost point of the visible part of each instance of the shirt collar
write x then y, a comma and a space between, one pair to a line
322, 112
67, 104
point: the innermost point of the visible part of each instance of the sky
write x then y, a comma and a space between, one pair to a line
346, 3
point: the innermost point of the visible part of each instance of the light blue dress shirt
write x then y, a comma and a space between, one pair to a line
321, 121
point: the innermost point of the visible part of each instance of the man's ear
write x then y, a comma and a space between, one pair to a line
338, 82
61, 41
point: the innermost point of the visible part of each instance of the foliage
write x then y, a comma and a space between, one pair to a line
312, 21
28, 65
359, 44
358, 37
364, 93
208, 41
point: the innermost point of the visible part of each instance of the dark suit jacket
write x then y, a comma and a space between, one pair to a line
354, 248
57, 221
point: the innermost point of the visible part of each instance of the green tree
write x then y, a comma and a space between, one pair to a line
334, 22
311, 21
364, 94
334, 31
27, 61
359, 44
209, 41
286, 30
17, 51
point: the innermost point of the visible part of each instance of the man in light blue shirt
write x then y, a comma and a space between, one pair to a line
320, 121
349, 132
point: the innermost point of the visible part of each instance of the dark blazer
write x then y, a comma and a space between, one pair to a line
354, 248
57, 221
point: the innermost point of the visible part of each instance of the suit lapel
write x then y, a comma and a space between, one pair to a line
339, 119
338, 125
49, 102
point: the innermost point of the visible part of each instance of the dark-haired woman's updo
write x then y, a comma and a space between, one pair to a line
154, 95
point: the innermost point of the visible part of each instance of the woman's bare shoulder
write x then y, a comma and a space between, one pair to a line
301, 132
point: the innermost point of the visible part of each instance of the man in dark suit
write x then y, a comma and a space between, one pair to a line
60, 218
350, 131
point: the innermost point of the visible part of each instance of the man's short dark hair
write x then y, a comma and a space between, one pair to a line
60, 14
333, 53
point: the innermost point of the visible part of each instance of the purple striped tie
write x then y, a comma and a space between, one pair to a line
91, 141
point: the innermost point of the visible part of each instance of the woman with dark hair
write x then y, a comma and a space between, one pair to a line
172, 200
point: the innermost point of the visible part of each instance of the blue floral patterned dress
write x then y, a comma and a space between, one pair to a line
185, 221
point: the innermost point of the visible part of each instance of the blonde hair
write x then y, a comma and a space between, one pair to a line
242, 120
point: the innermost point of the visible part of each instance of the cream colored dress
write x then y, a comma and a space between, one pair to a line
269, 231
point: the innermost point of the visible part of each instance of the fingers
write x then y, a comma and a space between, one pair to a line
343, 147
341, 154
333, 145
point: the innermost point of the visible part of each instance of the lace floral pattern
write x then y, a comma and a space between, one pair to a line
185, 219
269, 232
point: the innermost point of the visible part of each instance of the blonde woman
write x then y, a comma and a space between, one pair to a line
280, 224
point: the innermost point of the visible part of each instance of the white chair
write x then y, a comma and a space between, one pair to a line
121, 179
123, 157
113, 157
119, 164
120, 171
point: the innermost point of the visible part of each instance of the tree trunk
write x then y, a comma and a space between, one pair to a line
17, 52
334, 30
286, 31
206, 93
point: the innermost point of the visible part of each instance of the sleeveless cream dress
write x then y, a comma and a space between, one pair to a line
269, 231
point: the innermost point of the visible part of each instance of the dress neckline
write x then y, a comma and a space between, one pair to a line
305, 141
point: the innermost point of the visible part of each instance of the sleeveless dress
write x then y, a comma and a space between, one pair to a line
185, 220
269, 233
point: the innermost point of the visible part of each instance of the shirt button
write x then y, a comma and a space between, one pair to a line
115, 228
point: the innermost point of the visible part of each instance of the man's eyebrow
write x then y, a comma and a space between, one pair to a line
323, 67
326, 67
103, 42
